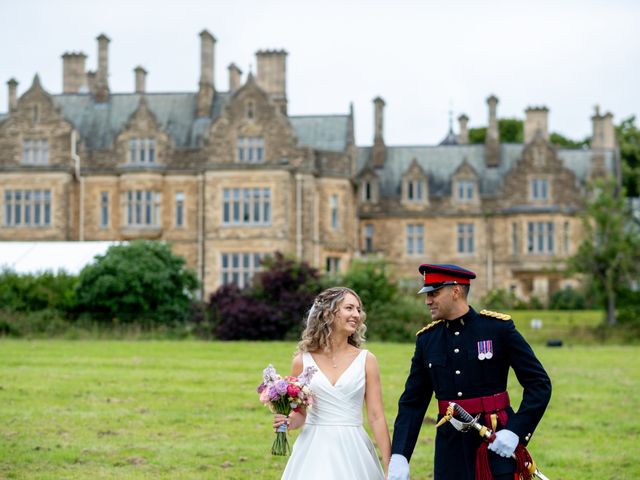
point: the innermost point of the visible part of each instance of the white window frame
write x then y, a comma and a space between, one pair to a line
27, 208
142, 150
414, 233
180, 209
334, 212
35, 151
540, 238
465, 190
142, 208
368, 237
465, 238
539, 189
250, 149
239, 267
104, 209
246, 206
332, 265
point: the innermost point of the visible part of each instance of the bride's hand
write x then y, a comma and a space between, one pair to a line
279, 420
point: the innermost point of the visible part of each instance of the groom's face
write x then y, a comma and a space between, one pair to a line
441, 303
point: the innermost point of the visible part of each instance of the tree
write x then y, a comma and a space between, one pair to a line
610, 251
139, 282
628, 136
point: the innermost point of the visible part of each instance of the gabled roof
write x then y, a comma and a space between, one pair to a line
441, 162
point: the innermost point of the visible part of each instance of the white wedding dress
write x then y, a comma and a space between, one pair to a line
333, 444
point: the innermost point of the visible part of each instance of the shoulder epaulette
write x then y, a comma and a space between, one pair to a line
429, 327
499, 316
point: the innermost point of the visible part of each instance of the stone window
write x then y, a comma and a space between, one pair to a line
250, 149
465, 238
464, 190
333, 207
539, 189
514, 239
332, 266
246, 206
142, 150
565, 238
27, 208
239, 268
143, 208
35, 151
368, 190
250, 109
368, 238
414, 190
104, 209
179, 209
540, 238
415, 239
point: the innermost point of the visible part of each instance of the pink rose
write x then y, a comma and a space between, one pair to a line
293, 390
264, 396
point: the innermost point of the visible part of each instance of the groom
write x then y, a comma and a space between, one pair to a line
464, 357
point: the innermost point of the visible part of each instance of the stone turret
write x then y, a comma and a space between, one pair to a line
140, 79
74, 78
101, 85
13, 95
463, 137
235, 77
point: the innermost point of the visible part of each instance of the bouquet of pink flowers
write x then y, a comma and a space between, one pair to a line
282, 395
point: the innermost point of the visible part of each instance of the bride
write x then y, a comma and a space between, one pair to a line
333, 444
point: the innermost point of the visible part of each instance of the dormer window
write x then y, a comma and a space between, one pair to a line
35, 151
464, 190
369, 190
539, 190
414, 190
250, 149
142, 150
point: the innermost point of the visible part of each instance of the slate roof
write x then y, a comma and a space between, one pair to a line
322, 132
100, 123
440, 163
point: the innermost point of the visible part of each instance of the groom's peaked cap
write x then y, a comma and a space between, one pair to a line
439, 275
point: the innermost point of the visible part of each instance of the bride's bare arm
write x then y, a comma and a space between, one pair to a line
375, 409
295, 419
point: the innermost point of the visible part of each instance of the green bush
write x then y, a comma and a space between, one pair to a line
568, 299
142, 282
35, 292
398, 321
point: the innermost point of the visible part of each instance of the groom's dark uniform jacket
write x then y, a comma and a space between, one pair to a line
467, 361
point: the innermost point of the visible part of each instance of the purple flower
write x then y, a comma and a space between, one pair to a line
273, 394
281, 387
305, 377
261, 388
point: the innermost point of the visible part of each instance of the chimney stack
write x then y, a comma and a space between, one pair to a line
536, 123
463, 137
206, 89
141, 79
492, 140
235, 77
73, 72
13, 95
102, 74
272, 75
378, 152
603, 134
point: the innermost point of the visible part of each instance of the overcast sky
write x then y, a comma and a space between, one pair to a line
424, 57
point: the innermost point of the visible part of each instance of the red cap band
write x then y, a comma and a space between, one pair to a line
431, 278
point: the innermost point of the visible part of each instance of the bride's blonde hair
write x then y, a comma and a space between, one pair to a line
319, 324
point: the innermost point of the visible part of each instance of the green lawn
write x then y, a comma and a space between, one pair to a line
188, 410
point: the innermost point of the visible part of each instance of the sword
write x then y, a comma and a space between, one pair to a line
468, 422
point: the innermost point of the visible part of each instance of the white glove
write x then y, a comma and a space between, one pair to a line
505, 443
398, 467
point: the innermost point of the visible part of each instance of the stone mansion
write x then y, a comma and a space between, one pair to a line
228, 177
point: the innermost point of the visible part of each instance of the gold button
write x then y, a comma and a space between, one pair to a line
456, 350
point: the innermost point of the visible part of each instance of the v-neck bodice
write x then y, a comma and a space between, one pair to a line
341, 403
